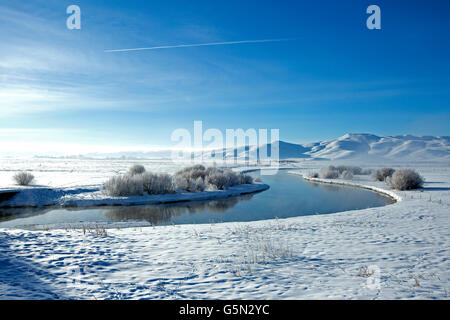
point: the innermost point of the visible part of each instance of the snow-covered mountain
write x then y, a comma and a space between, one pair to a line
364, 146
361, 146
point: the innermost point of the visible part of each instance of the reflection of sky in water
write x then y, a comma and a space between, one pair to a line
288, 196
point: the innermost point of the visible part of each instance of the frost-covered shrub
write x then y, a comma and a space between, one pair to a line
352, 169
180, 182
193, 179
124, 186
382, 174
136, 169
329, 172
313, 175
221, 178
192, 173
218, 180
245, 179
197, 185
405, 179
157, 183
199, 178
191, 185
23, 178
347, 175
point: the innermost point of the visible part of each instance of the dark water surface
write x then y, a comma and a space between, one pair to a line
289, 196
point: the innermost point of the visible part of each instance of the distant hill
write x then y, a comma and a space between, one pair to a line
363, 146
360, 146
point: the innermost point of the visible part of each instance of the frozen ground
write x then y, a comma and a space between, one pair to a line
398, 251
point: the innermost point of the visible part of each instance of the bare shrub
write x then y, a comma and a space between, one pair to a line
157, 183
382, 174
245, 179
23, 178
180, 182
197, 185
218, 179
347, 175
329, 172
405, 179
193, 179
352, 169
136, 169
199, 178
192, 185
124, 186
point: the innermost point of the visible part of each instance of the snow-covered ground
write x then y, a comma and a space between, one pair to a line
72, 173
398, 251
78, 183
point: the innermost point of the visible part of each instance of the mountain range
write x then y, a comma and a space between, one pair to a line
359, 146
366, 146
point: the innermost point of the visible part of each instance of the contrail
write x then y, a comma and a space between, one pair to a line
199, 45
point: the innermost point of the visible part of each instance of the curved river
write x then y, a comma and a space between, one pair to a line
289, 196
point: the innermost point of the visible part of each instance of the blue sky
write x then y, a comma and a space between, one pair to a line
59, 88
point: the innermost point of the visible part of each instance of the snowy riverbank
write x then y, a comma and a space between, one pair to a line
78, 183
93, 196
404, 246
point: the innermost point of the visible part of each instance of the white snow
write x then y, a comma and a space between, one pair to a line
363, 146
77, 183
309, 257
88, 197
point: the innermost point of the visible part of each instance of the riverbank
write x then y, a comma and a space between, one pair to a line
93, 196
398, 251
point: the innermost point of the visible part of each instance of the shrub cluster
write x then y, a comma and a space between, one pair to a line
200, 178
350, 169
193, 179
123, 186
343, 172
382, 174
23, 178
405, 179
157, 183
329, 172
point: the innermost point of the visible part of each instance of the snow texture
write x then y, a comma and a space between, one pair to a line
399, 251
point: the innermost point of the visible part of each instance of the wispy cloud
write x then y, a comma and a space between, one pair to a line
200, 45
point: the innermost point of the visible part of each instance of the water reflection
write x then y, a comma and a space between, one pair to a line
17, 213
163, 214
331, 188
288, 196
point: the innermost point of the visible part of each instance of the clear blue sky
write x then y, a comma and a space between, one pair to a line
336, 76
